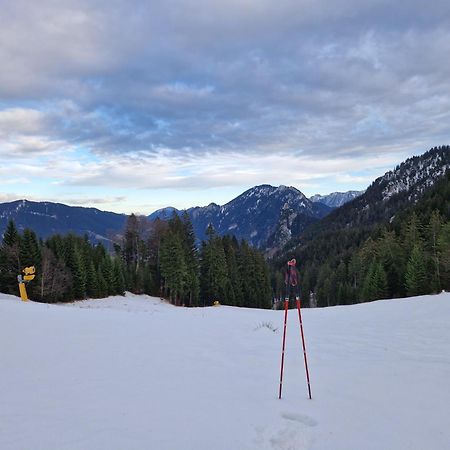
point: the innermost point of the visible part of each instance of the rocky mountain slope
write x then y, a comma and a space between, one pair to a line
263, 215
336, 199
387, 196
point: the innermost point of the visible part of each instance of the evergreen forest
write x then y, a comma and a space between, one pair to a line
407, 255
157, 258
371, 248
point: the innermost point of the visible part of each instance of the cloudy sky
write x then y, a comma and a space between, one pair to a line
132, 106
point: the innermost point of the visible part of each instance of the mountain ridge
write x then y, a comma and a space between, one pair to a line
255, 215
395, 189
387, 195
267, 216
49, 218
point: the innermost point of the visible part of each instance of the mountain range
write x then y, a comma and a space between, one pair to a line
47, 219
260, 215
266, 216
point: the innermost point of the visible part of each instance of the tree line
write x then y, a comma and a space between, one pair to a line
164, 257
406, 256
68, 267
160, 258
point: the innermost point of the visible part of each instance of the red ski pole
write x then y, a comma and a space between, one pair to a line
304, 347
286, 303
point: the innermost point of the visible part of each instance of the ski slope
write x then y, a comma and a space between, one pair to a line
133, 372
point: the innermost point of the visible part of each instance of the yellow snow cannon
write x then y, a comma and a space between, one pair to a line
28, 275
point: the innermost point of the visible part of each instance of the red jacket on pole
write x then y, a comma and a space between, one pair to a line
291, 277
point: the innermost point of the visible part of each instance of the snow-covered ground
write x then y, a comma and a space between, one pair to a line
136, 373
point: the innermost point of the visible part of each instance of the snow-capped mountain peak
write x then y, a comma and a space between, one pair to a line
336, 199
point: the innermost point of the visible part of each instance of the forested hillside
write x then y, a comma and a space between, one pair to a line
386, 196
406, 255
158, 258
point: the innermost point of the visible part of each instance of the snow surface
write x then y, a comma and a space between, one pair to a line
136, 373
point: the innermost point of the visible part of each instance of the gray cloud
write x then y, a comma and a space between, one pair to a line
83, 201
195, 77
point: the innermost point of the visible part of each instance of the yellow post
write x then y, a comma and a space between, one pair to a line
29, 275
23, 292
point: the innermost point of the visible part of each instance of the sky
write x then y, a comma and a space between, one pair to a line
134, 106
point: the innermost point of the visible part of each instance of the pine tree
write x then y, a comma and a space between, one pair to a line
375, 283
354, 272
323, 287
214, 276
173, 266
247, 271
380, 282
192, 261
262, 279
108, 274
10, 265
56, 244
433, 229
159, 230
256, 289
234, 285
30, 254
78, 276
367, 293
11, 236
366, 257
74, 262
444, 252
119, 280
306, 287
102, 285
341, 277
91, 279
413, 233
415, 276
392, 259
131, 242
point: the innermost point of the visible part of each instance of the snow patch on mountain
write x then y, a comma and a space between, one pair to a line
336, 199
415, 175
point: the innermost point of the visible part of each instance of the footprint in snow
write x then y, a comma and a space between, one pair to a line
301, 418
293, 434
